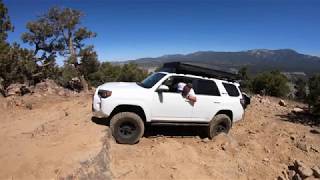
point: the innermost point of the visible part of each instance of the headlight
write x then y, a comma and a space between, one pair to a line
104, 93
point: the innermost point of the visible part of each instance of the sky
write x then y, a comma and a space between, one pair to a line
130, 29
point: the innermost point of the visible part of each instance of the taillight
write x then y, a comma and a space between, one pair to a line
245, 100
104, 93
242, 101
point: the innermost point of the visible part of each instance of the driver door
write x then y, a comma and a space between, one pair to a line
170, 105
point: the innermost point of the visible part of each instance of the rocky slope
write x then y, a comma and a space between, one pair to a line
57, 139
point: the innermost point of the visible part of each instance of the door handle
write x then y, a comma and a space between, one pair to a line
216, 102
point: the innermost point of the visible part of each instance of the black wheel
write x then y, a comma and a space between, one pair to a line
127, 127
221, 123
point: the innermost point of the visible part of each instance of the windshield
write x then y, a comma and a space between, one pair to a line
151, 80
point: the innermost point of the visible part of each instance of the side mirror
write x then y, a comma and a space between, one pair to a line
162, 88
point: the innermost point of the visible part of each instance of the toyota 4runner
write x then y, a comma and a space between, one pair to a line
155, 100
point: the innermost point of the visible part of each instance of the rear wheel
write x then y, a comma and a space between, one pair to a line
221, 123
127, 127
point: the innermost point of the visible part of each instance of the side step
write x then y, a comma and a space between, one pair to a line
179, 124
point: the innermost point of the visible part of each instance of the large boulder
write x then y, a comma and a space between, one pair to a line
47, 86
17, 90
303, 170
75, 84
316, 171
50, 87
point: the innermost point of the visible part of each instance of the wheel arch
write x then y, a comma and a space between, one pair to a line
129, 108
226, 112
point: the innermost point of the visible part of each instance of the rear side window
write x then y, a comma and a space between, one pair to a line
206, 87
232, 90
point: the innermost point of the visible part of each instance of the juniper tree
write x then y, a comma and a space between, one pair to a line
59, 32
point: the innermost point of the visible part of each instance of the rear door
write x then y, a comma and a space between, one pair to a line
209, 100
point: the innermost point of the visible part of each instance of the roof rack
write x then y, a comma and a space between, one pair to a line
196, 69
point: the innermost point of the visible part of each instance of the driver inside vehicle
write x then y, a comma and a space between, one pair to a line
187, 92
183, 86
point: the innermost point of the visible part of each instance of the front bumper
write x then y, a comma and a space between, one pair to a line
96, 108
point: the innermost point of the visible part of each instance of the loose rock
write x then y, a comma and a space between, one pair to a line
297, 110
264, 101
205, 140
296, 177
316, 171
291, 174
29, 106
302, 146
303, 170
282, 103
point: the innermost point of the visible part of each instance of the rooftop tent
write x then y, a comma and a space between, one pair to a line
197, 69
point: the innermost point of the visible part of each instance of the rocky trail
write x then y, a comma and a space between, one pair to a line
54, 137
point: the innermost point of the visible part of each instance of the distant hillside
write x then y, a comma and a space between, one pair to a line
257, 60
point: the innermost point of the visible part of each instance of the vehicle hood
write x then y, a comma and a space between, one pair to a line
121, 86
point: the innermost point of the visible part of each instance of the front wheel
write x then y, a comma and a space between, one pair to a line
221, 123
127, 127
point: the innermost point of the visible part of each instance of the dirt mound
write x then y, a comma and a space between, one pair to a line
50, 87
44, 88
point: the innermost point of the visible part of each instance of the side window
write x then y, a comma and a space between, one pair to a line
231, 89
206, 87
172, 82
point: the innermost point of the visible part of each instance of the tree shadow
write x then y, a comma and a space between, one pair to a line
163, 130
101, 121
304, 118
175, 131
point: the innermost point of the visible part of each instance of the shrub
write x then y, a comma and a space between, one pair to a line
106, 73
313, 97
301, 87
131, 73
271, 83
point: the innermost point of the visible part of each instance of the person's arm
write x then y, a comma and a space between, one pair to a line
192, 96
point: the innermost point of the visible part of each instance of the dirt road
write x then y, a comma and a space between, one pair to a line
55, 138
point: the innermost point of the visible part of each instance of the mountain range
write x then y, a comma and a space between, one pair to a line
257, 60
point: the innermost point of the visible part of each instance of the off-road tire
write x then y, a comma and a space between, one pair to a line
127, 127
221, 123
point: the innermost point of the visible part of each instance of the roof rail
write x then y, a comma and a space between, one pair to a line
197, 69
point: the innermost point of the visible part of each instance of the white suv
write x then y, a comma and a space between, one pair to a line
155, 100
